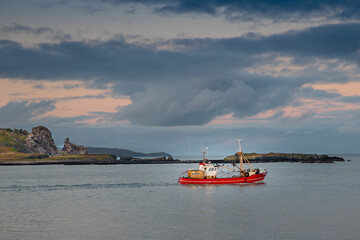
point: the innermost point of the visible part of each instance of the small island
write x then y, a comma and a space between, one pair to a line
19, 147
287, 157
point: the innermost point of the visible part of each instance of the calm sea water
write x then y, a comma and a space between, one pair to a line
297, 201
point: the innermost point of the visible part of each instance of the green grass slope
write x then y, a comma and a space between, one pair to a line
13, 148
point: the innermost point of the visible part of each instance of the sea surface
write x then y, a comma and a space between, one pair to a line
296, 201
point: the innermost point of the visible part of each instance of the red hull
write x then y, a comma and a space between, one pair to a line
252, 179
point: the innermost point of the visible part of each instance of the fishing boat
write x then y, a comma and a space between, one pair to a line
208, 173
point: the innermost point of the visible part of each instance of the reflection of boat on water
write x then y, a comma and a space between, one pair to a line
208, 173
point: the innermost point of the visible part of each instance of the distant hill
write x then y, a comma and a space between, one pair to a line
124, 152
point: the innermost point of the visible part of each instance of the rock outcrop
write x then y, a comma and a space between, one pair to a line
71, 148
21, 131
40, 141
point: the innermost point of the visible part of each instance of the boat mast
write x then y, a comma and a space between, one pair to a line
204, 153
240, 156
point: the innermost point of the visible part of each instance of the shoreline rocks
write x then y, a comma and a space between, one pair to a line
71, 148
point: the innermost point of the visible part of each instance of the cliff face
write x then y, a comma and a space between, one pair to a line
71, 148
40, 141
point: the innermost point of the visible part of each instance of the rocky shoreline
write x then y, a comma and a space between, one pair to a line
18, 147
111, 159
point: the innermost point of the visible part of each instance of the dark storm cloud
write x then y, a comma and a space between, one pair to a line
38, 86
326, 41
115, 60
24, 111
28, 112
250, 10
71, 86
196, 81
110, 61
16, 28
51, 3
100, 96
19, 28
351, 99
309, 92
190, 104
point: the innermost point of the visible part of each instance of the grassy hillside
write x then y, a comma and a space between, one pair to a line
12, 141
94, 157
12, 146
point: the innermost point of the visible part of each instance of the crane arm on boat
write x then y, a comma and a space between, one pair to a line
232, 169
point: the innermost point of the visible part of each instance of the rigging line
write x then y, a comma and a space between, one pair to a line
250, 165
229, 168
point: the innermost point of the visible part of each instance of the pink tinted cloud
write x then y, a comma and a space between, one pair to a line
346, 89
72, 99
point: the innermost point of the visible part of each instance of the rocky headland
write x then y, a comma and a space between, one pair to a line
19, 146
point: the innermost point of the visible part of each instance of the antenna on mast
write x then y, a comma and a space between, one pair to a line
240, 154
203, 153
207, 153
239, 141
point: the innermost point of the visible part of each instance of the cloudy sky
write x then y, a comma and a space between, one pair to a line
175, 75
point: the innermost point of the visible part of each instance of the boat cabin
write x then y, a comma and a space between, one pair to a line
206, 170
